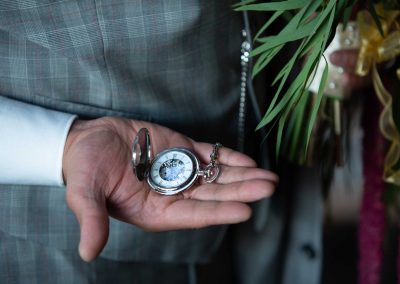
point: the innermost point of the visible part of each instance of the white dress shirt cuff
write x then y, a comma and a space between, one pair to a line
32, 143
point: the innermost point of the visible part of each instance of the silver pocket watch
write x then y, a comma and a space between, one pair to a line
172, 170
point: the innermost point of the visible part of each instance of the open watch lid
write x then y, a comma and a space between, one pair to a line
141, 153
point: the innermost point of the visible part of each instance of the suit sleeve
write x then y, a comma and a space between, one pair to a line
32, 143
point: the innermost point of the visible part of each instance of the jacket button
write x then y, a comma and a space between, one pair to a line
309, 251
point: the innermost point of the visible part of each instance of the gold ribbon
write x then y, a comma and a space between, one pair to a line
377, 48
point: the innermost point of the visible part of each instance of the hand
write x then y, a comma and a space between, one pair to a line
347, 59
100, 183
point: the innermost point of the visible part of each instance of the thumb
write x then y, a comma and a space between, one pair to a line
92, 216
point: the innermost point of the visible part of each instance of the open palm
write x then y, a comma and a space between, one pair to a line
100, 183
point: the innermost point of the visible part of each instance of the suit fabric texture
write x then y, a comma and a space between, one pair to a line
171, 62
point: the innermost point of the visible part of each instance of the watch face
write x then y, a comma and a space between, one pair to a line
173, 170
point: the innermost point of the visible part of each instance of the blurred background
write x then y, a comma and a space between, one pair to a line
341, 220
341, 214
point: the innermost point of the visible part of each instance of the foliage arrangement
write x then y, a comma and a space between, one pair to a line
294, 112
311, 25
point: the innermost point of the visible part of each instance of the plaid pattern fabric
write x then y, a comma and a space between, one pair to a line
176, 63
36, 264
173, 62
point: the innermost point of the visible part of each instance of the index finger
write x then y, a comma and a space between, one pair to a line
226, 156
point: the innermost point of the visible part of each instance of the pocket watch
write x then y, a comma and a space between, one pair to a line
172, 170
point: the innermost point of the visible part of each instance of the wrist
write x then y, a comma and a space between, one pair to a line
72, 136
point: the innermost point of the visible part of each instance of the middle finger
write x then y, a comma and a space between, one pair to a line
230, 174
242, 191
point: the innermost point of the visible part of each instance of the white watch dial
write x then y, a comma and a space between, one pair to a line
172, 169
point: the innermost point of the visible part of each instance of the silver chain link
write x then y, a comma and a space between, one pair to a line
211, 172
214, 154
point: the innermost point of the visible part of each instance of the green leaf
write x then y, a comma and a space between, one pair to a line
321, 86
264, 59
244, 2
273, 6
311, 10
298, 125
329, 9
317, 104
274, 111
299, 81
281, 126
346, 16
302, 32
291, 26
286, 71
314, 42
287, 16
268, 23
315, 34
290, 106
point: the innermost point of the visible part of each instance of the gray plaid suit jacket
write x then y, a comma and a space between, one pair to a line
172, 62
